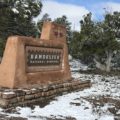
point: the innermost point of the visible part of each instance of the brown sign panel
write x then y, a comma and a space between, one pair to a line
43, 58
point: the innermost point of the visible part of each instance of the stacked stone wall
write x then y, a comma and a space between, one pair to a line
25, 97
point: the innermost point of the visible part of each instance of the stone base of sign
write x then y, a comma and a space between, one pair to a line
10, 98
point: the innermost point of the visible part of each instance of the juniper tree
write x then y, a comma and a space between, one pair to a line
100, 39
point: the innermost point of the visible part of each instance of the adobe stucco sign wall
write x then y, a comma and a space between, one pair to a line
28, 61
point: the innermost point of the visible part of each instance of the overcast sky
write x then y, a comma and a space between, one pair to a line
75, 9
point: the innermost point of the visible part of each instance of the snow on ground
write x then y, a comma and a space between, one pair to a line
82, 105
76, 65
74, 105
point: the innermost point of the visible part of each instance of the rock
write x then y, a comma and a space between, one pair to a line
8, 95
86, 108
117, 117
29, 97
21, 98
20, 92
13, 100
45, 89
76, 104
4, 103
112, 110
0, 94
34, 90
38, 95
27, 92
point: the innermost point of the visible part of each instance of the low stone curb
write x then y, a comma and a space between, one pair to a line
24, 97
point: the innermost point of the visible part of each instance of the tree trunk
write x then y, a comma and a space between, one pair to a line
104, 67
99, 65
108, 62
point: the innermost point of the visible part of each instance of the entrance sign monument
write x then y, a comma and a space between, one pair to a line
29, 61
35, 70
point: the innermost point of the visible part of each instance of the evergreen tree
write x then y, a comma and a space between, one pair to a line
17, 17
44, 18
64, 21
75, 45
99, 40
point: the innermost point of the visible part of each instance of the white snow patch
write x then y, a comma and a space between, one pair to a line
25, 16
106, 117
24, 112
15, 10
76, 65
8, 93
25, 5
